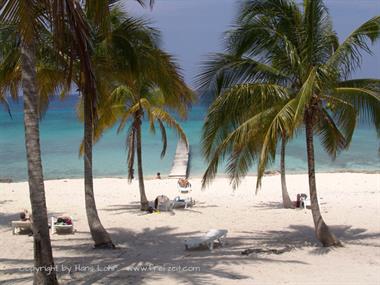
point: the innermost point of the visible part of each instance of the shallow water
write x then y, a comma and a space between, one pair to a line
61, 134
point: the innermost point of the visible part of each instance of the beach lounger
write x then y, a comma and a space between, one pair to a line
18, 226
305, 203
24, 224
208, 239
184, 186
182, 203
163, 204
61, 229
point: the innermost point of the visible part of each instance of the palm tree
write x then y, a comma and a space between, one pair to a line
286, 201
143, 81
286, 70
150, 102
99, 13
56, 70
21, 17
28, 18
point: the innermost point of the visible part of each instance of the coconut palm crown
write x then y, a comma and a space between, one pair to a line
285, 69
139, 80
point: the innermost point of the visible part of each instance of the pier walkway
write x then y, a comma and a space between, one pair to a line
181, 161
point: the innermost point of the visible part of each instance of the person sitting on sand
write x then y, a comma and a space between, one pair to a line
24, 216
158, 176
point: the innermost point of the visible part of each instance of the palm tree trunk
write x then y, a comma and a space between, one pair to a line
322, 231
43, 255
285, 195
98, 233
143, 200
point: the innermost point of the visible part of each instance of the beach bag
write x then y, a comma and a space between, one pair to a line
162, 203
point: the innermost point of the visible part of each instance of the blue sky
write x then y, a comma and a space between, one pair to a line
193, 28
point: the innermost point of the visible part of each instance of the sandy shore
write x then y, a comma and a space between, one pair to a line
350, 204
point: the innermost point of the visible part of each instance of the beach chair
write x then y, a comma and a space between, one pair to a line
207, 240
305, 203
182, 203
24, 224
18, 226
184, 186
62, 228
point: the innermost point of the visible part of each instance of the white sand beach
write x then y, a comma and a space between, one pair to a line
350, 204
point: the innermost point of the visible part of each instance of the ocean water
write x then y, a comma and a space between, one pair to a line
61, 134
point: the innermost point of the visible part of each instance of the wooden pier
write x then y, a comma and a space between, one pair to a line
181, 161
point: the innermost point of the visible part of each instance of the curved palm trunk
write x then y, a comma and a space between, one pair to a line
287, 203
43, 256
98, 233
322, 231
143, 200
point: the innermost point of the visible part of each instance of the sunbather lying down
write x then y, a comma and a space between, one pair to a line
163, 203
62, 225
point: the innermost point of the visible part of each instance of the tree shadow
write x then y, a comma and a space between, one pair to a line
152, 253
269, 206
3, 202
6, 219
134, 208
145, 256
299, 236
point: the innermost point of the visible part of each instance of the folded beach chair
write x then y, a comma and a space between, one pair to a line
208, 239
64, 227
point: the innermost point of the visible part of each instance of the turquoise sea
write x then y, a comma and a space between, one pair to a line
61, 134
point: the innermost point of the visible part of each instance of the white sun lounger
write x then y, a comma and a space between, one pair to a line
184, 190
208, 239
18, 226
182, 203
61, 229
305, 203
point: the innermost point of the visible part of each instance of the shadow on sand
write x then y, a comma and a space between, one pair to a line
148, 255
134, 208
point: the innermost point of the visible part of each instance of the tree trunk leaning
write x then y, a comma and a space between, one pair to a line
322, 231
143, 200
286, 201
98, 232
43, 255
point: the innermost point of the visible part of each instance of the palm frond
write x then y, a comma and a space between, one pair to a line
347, 57
305, 94
164, 138
331, 137
165, 117
234, 106
223, 70
282, 122
244, 136
365, 100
